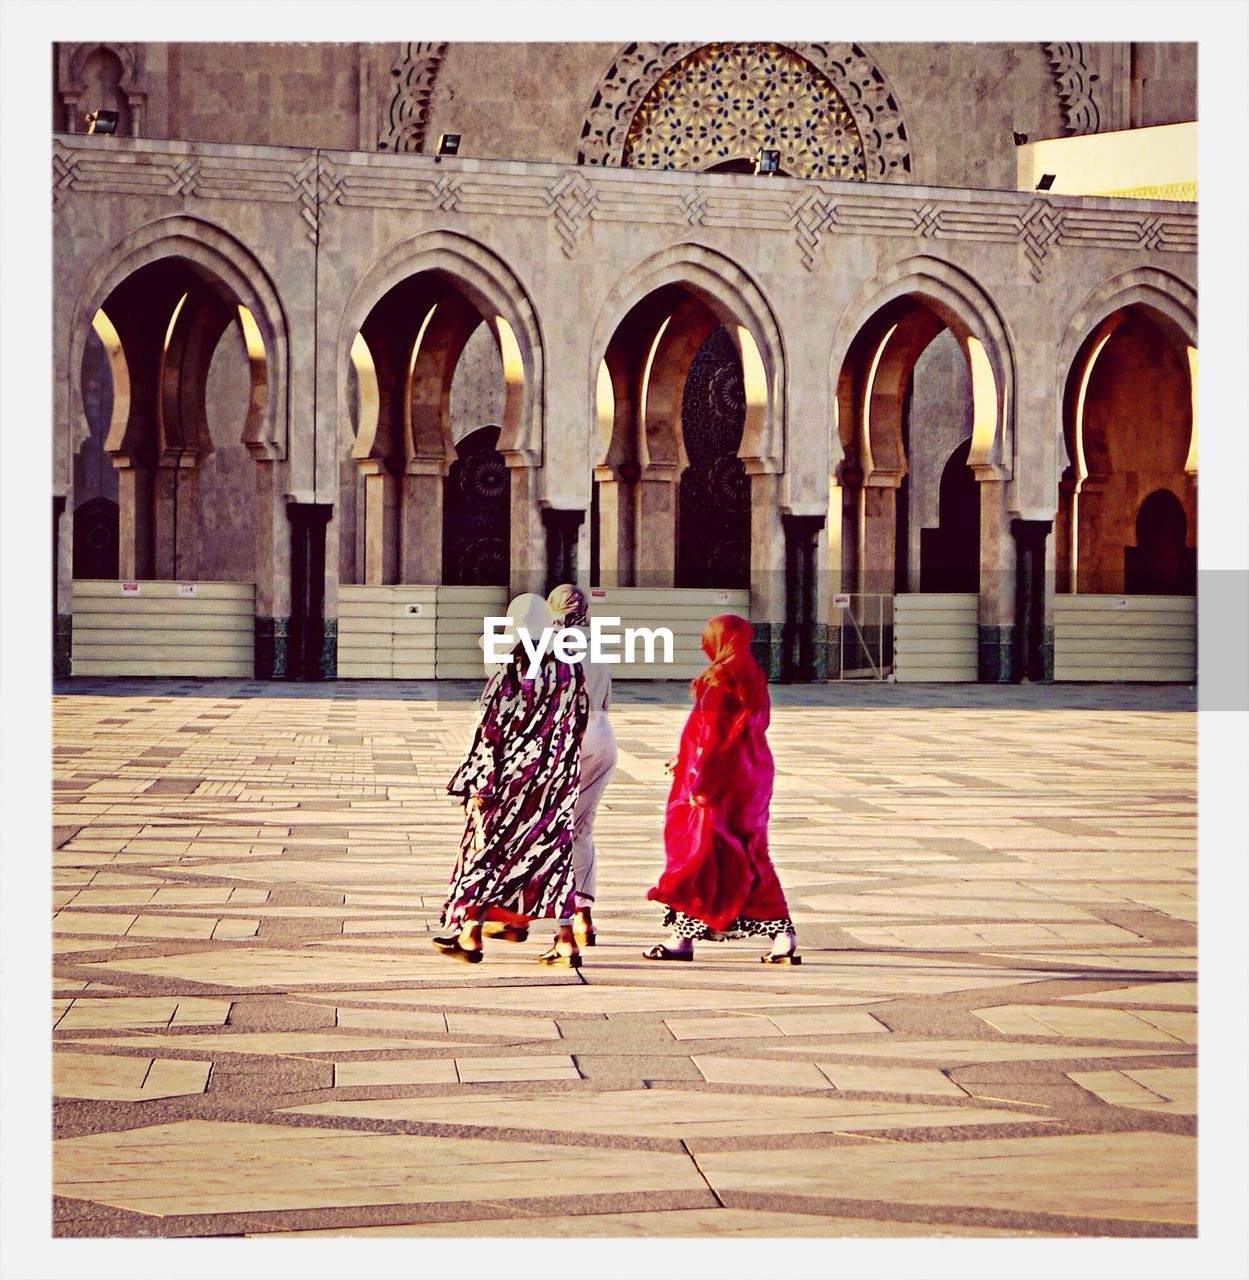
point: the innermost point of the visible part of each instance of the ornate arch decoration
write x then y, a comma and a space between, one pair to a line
843, 86
73, 83
413, 72
225, 264
1074, 80
737, 303
964, 307
1167, 300
487, 282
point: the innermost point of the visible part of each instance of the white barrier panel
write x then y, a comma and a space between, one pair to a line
151, 628
461, 620
683, 610
386, 633
936, 636
1125, 638
426, 632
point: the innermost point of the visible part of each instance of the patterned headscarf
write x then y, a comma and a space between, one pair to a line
569, 605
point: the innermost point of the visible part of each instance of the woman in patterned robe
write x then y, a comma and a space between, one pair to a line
718, 881
598, 761
519, 784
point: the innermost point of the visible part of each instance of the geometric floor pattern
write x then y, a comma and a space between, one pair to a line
993, 1031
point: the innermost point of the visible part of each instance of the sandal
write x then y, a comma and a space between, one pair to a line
784, 957
451, 948
504, 932
660, 952
587, 937
560, 959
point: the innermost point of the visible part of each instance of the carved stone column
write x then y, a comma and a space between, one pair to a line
420, 541
1033, 650
803, 656
996, 613
657, 530
313, 642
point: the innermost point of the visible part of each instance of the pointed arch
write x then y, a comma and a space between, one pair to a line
739, 304
496, 292
225, 265
967, 310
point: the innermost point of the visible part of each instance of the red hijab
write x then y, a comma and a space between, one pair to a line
733, 670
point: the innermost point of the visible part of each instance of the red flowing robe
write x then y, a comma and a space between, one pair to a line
716, 829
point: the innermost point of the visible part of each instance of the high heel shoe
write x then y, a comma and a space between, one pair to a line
560, 959
782, 957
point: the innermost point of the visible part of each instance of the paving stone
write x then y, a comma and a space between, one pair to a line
998, 990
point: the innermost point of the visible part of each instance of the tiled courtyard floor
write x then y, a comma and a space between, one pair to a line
993, 1032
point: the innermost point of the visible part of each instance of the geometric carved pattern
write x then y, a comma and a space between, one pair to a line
1075, 81
811, 215
1039, 229
414, 73
726, 101
573, 202
854, 78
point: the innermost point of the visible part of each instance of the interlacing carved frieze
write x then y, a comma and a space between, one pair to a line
827, 108
321, 183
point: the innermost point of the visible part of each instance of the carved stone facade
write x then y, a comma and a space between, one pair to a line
321, 301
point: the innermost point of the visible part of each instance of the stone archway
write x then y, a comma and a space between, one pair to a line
649, 334
407, 324
165, 299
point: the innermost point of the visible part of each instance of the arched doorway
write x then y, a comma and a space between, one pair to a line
713, 520
174, 380
950, 553
424, 473
476, 513
673, 494
1130, 435
1160, 563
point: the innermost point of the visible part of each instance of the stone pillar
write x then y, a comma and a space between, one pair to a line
381, 524
420, 542
135, 533
175, 507
61, 625
527, 537
273, 573
312, 647
1029, 655
617, 512
802, 653
996, 614
767, 571
561, 545
658, 526
879, 534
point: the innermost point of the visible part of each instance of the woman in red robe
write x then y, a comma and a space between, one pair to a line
718, 881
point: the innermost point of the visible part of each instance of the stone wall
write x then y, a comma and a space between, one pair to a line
961, 103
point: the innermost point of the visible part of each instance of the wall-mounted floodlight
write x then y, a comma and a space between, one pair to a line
102, 122
448, 144
1020, 138
1047, 181
767, 161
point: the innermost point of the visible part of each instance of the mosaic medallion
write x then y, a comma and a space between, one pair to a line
724, 102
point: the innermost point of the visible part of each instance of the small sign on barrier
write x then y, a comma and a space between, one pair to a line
841, 600
186, 590
413, 610
130, 588
1119, 602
